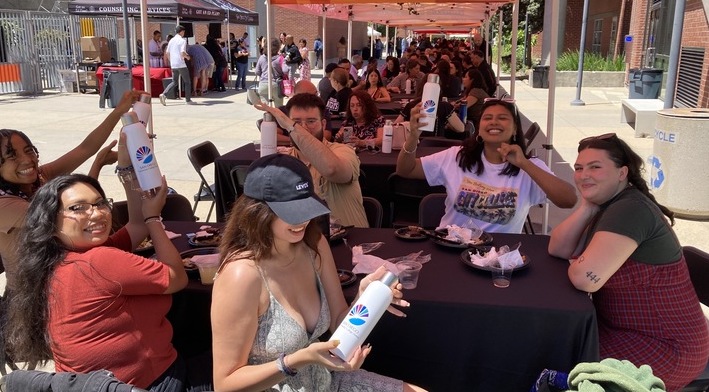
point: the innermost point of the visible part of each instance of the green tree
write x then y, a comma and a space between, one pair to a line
535, 8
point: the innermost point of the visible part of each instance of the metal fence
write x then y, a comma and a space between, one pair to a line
35, 46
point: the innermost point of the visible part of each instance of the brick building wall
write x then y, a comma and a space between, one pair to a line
695, 33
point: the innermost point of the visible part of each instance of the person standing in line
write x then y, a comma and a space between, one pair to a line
304, 68
219, 62
155, 49
342, 48
242, 63
177, 49
317, 47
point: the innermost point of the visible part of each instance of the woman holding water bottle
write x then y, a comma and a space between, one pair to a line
488, 179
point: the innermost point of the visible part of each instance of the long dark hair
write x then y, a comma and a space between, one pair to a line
476, 81
470, 155
397, 67
8, 150
622, 155
40, 251
248, 231
367, 85
371, 112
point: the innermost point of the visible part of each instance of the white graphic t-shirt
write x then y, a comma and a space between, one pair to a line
497, 203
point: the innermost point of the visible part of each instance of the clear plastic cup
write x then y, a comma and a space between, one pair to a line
409, 272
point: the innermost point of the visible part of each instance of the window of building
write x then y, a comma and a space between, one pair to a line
597, 33
614, 31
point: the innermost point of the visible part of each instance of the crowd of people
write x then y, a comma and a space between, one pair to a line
78, 295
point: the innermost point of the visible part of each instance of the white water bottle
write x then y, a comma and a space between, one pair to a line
429, 100
388, 137
363, 315
269, 131
143, 109
408, 86
142, 156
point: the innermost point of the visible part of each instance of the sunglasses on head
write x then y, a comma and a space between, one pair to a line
508, 101
605, 136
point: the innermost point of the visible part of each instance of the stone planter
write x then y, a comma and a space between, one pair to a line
591, 78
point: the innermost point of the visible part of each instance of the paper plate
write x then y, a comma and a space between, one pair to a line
440, 239
346, 277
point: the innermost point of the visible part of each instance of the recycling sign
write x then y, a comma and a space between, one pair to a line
657, 176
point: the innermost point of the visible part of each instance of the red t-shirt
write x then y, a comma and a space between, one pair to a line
107, 311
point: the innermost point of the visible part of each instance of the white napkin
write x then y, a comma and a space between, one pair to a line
512, 259
463, 235
366, 264
172, 235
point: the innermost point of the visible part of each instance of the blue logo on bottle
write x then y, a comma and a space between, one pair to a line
144, 155
358, 314
429, 106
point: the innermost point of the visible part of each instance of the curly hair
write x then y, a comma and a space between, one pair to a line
369, 107
40, 251
470, 155
9, 150
248, 231
622, 155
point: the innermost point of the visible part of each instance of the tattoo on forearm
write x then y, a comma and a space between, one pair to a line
592, 277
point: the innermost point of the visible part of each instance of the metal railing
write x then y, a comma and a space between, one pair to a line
35, 46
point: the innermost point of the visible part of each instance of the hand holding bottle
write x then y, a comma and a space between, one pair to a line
319, 353
396, 290
283, 121
414, 124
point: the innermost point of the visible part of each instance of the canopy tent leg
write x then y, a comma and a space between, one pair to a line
324, 40
268, 51
348, 55
386, 43
146, 53
371, 41
549, 147
513, 40
499, 45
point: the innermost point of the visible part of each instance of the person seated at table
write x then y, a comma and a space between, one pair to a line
375, 87
337, 101
277, 292
392, 70
474, 95
303, 87
21, 175
479, 62
366, 122
84, 300
413, 73
333, 166
450, 84
324, 86
489, 180
448, 124
623, 250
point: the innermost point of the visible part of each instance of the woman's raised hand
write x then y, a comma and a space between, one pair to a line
512, 153
414, 123
398, 295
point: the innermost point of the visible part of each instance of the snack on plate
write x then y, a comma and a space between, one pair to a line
188, 264
463, 235
146, 243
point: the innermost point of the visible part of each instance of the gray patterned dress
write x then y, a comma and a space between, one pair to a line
279, 332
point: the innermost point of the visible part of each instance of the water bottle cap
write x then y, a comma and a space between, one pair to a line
433, 78
268, 117
129, 118
388, 122
389, 279
145, 98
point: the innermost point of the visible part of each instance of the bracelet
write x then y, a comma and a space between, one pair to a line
119, 169
290, 129
283, 368
126, 175
403, 148
154, 218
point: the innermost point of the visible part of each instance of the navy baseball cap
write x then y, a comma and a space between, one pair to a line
284, 183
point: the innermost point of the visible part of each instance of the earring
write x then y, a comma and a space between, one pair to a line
479, 139
514, 138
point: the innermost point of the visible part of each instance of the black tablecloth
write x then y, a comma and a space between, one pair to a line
461, 333
377, 168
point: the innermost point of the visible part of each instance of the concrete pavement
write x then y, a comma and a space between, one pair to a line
56, 122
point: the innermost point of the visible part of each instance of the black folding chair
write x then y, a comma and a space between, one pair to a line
200, 156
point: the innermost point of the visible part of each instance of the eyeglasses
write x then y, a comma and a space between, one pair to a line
605, 136
86, 208
310, 122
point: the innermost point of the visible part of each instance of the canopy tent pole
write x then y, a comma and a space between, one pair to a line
146, 50
486, 25
228, 43
126, 32
513, 39
396, 47
324, 51
268, 51
499, 45
371, 41
553, 53
582, 50
386, 44
348, 55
